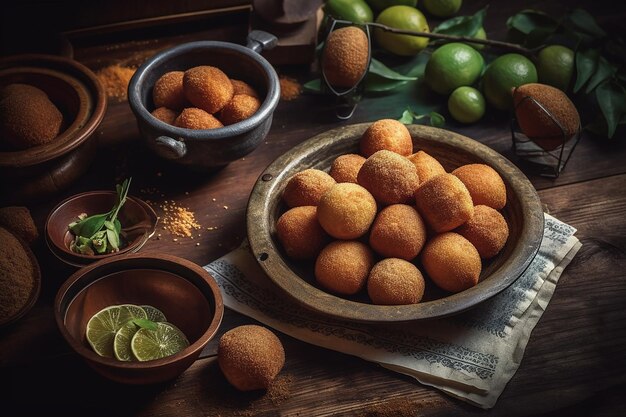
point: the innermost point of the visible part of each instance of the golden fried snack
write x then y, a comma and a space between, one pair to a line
391, 178
18, 272
305, 188
386, 134
427, 166
207, 88
300, 233
239, 108
343, 266
394, 281
18, 220
486, 230
165, 115
345, 56
250, 357
345, 168
193, 118
398, 232
346, 211
452, 262
484, 184
168, 91
444, 202
242, 87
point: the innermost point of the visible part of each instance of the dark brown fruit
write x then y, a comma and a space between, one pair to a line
345, 57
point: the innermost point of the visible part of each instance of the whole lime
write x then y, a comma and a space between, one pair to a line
555, 66
357, 11
466, 105
480, 34
379, 5
442, 8
453, 65
505, 73
402, 17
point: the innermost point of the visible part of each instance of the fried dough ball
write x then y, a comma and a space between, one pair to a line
386, 134
168, 91
391, 178
27, 117
484, 184
398, 232
345, 168
242, 87
207, 88
452, 262
250, 357
395, 281
239, 108
486, 230
193, 118
346, 211
444, 202
165, 115
305, 188
427, 166
300, 233
343, 266
19, 221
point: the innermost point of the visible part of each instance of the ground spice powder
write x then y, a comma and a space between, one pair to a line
178, 220
290, 88
115, 79
16, 275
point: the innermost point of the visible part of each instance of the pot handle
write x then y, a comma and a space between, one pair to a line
170, 148
259, 40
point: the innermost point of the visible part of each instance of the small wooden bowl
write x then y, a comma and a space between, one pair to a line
523, 213
187, 295
134, 212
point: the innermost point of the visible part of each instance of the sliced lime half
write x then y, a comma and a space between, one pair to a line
166, 340
103, 326
154, 314
121, 342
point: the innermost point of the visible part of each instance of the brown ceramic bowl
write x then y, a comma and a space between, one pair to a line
135, 215
523, 213
187, 295
40, 171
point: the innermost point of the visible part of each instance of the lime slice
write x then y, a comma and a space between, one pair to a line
166, 340
154, 314
121, 342
103, 326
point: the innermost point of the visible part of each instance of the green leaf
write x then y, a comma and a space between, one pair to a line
586, 63
436, 119
114, 240
528, 20
407, 117
109, 225
585, 22
118, 226
314, 86
377, 84
462, 25
611, 99
378, 68
145, 324
89, 226
603, 71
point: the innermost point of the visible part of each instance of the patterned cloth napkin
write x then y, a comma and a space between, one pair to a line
471, 356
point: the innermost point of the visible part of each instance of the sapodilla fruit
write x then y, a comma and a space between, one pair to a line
346, 57
536, 124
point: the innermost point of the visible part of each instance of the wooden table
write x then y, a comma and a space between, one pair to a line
575, 361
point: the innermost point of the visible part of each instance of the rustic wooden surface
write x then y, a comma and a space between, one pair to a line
575, 361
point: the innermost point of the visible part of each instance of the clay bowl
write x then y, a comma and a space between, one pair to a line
40, 171
136, 216
187, 295
523, 213
205, 150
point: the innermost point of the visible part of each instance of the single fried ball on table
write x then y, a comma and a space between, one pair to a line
427, 166
239, 108
242, 87
168, 91
165, 115
250, 357
300, 234
391, 178
394, 281
194, 118
207, 88
451, 262
387, 134
305, 188
345, 168
398, 232
484, 184
346, 211
444, 203
487, 230
19, 221
342, 266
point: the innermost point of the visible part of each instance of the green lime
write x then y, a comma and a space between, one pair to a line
121, 342
154, 314
466, 105
356, 11
480, 34
103, 326
453, 65
442, 8
402, 17
166, 340
555, 66
505, 73
379, 5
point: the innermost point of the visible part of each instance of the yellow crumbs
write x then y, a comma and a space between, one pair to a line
178, 220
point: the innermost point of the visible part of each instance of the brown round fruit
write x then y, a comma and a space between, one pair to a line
345, 57
168, 91
343, 266
346, 211
193, 118
386, 134
391, 178
484, 184
305, 188
398, 232
300, 233
444, 202
487, 230
395, 281
345, 168
207, 88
